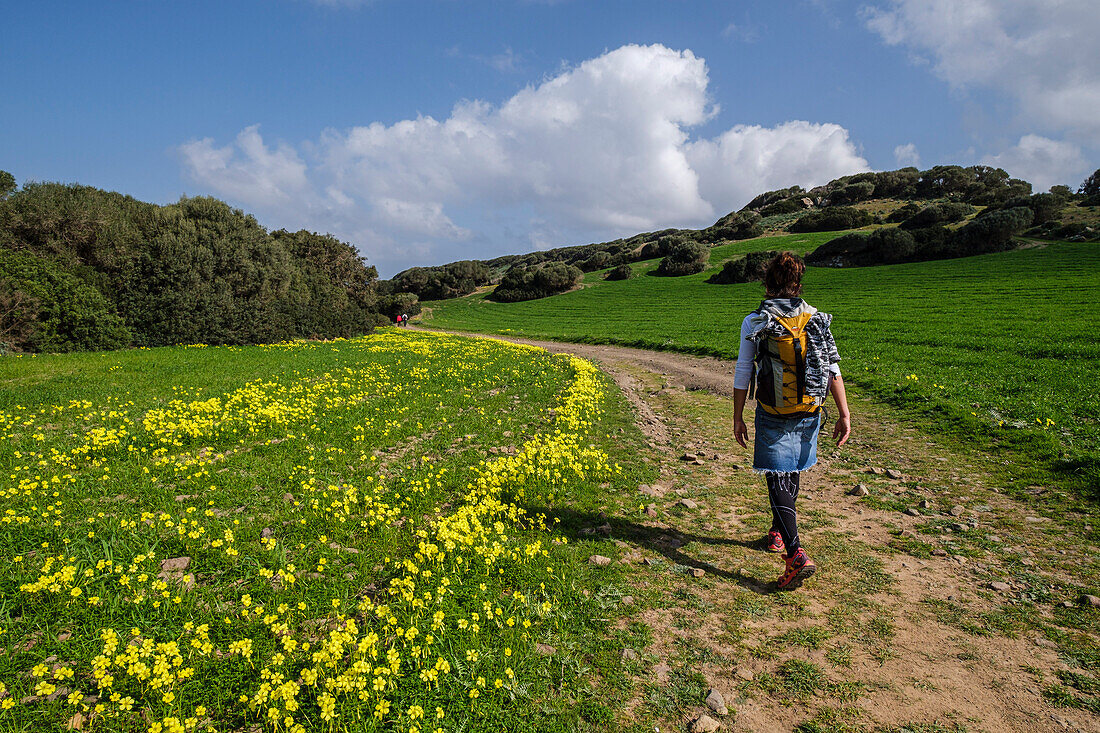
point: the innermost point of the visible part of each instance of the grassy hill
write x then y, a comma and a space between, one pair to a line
999, 349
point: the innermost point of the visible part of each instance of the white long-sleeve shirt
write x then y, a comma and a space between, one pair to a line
746, 352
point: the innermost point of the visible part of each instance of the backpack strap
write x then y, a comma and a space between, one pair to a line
799, 369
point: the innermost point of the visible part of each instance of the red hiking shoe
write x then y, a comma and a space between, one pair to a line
775, 542
799, 568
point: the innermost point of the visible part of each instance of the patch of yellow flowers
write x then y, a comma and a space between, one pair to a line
113, 629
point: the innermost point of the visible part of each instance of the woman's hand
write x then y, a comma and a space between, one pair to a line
842, 429
741, 432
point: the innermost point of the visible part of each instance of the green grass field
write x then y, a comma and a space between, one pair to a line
306, 536
998, 349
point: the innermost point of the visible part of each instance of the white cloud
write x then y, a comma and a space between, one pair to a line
597, 151
907, 155
251, 171
1042, 53
1042, 161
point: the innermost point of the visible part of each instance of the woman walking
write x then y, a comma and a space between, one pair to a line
787, 359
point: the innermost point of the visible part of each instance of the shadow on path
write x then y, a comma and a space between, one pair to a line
666, 541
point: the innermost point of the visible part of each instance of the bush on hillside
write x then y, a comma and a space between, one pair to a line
770, 197
622, 272
749, 268
941, 213
990, 232
1091, 185
452, 280
194, 271
902, 213
523, 283
598, 261
786, 206
832, 219
397, 304
684, 258
852, 193
45, 308
735, 226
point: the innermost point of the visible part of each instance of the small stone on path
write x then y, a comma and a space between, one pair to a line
913, 512
956, 511
875, 471
999, 586
688, 504
744, 673
698, 572
600, 560
859, 490
651, 510
705, 724
689, 457
716, 702
891, 473
939, 552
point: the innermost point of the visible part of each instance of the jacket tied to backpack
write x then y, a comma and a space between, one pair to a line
794, 352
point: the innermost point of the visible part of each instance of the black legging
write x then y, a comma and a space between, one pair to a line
782, 493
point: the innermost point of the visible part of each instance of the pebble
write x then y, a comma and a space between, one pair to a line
599, 560
698, 572
1045, 643
744, 673
956, 511
999, 586
651, 510
925, 504
913, 512
875, 471
689, 457
1037, 520
705, 724
891, 473
716, 702
688, 504
859, 490
939, 552
648, 490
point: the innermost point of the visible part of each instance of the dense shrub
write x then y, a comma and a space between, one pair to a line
194, 271
902, 213
749, 268
523, 283
941, 213
1091, 185
770, 197
622, 272
786, 206
990, 232
446, 281
852, 193
45, 308
598, 261
684, 258
832, 219
738, 225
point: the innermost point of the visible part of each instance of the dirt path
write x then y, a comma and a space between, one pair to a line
940, 604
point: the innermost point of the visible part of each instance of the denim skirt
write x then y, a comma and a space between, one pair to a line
785, 443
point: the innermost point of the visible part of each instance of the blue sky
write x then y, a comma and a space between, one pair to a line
425, 131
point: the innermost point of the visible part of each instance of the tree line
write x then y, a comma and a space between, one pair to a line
87, 269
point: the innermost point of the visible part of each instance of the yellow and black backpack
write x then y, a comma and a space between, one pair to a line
779, 370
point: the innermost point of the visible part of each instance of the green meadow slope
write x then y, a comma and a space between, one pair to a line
1000, 349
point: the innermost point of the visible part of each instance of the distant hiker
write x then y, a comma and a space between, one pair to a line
405, 319
787, 360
